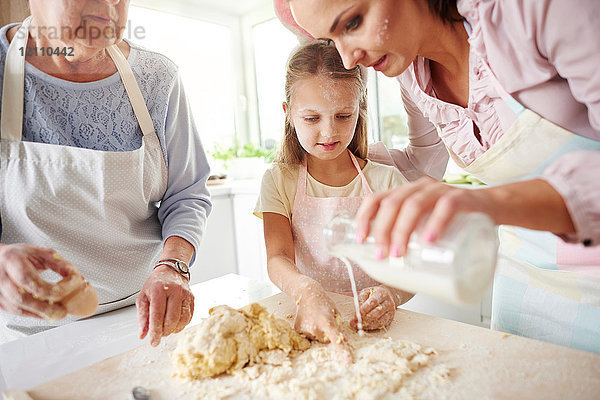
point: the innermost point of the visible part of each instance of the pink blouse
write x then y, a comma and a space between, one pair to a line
546, 54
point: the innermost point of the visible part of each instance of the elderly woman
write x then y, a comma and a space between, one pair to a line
511, 90
102, 163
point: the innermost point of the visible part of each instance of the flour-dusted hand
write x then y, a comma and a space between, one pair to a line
165, 304
23, 291
377, 307
318, 318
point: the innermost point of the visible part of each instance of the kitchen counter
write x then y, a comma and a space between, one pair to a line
483, 364
39, 358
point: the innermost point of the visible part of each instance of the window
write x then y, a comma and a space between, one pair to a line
387, 117
236, 98
393, 128
204, 53
272, 44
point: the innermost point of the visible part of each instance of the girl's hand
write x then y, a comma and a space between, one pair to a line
23, 291
377, 308
318, 319
165, 304
390, 217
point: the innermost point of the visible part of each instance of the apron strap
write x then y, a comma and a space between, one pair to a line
302, 175
133, 90
13, 87
365, 185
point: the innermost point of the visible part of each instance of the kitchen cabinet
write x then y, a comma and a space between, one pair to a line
233, 241
217, 253
250, 243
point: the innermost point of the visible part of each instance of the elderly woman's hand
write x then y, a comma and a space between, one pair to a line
23, 291
165, 304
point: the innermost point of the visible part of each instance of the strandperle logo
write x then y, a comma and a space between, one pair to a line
89, 33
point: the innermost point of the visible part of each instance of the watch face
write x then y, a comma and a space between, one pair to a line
183, 267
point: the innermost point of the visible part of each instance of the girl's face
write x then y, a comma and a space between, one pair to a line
383, 34
89, 23
324, 113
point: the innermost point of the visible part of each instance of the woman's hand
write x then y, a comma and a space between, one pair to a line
377, 308
165, 304
318, 319
390, 217
23, 291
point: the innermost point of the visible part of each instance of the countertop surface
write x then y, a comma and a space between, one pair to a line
483, 364
39, 358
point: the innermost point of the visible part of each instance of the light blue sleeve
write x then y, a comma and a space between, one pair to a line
186, 203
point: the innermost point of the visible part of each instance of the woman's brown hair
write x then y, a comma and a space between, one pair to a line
444, 9
320, 58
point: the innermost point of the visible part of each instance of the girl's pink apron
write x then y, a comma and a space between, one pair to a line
309, 217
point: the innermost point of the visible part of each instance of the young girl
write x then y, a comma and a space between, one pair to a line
322, 170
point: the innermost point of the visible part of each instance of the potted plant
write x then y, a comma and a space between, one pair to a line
243, 162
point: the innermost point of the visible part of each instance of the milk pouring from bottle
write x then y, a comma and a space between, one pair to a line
458, 267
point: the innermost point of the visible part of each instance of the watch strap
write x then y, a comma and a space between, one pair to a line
178, 265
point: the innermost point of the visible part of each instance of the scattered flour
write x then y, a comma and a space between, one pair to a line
383, 368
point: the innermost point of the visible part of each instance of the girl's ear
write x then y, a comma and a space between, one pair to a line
288, 117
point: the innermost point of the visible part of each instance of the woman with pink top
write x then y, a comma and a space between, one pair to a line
511, 90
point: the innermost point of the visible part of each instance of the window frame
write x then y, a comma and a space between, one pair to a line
248, 22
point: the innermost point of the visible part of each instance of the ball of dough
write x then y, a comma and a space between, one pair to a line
81, 299
82, 302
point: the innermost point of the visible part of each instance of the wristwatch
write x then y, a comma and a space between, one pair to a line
177, 265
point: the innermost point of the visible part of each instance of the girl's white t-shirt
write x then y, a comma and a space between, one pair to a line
278, 188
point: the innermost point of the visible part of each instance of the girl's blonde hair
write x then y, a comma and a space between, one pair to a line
313, 59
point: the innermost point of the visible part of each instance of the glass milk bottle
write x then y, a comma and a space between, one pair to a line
458, 267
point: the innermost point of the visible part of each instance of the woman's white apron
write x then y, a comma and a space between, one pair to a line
310, 215
544, 288
96, 209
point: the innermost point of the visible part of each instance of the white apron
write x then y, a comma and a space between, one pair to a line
544, 288
97, 209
